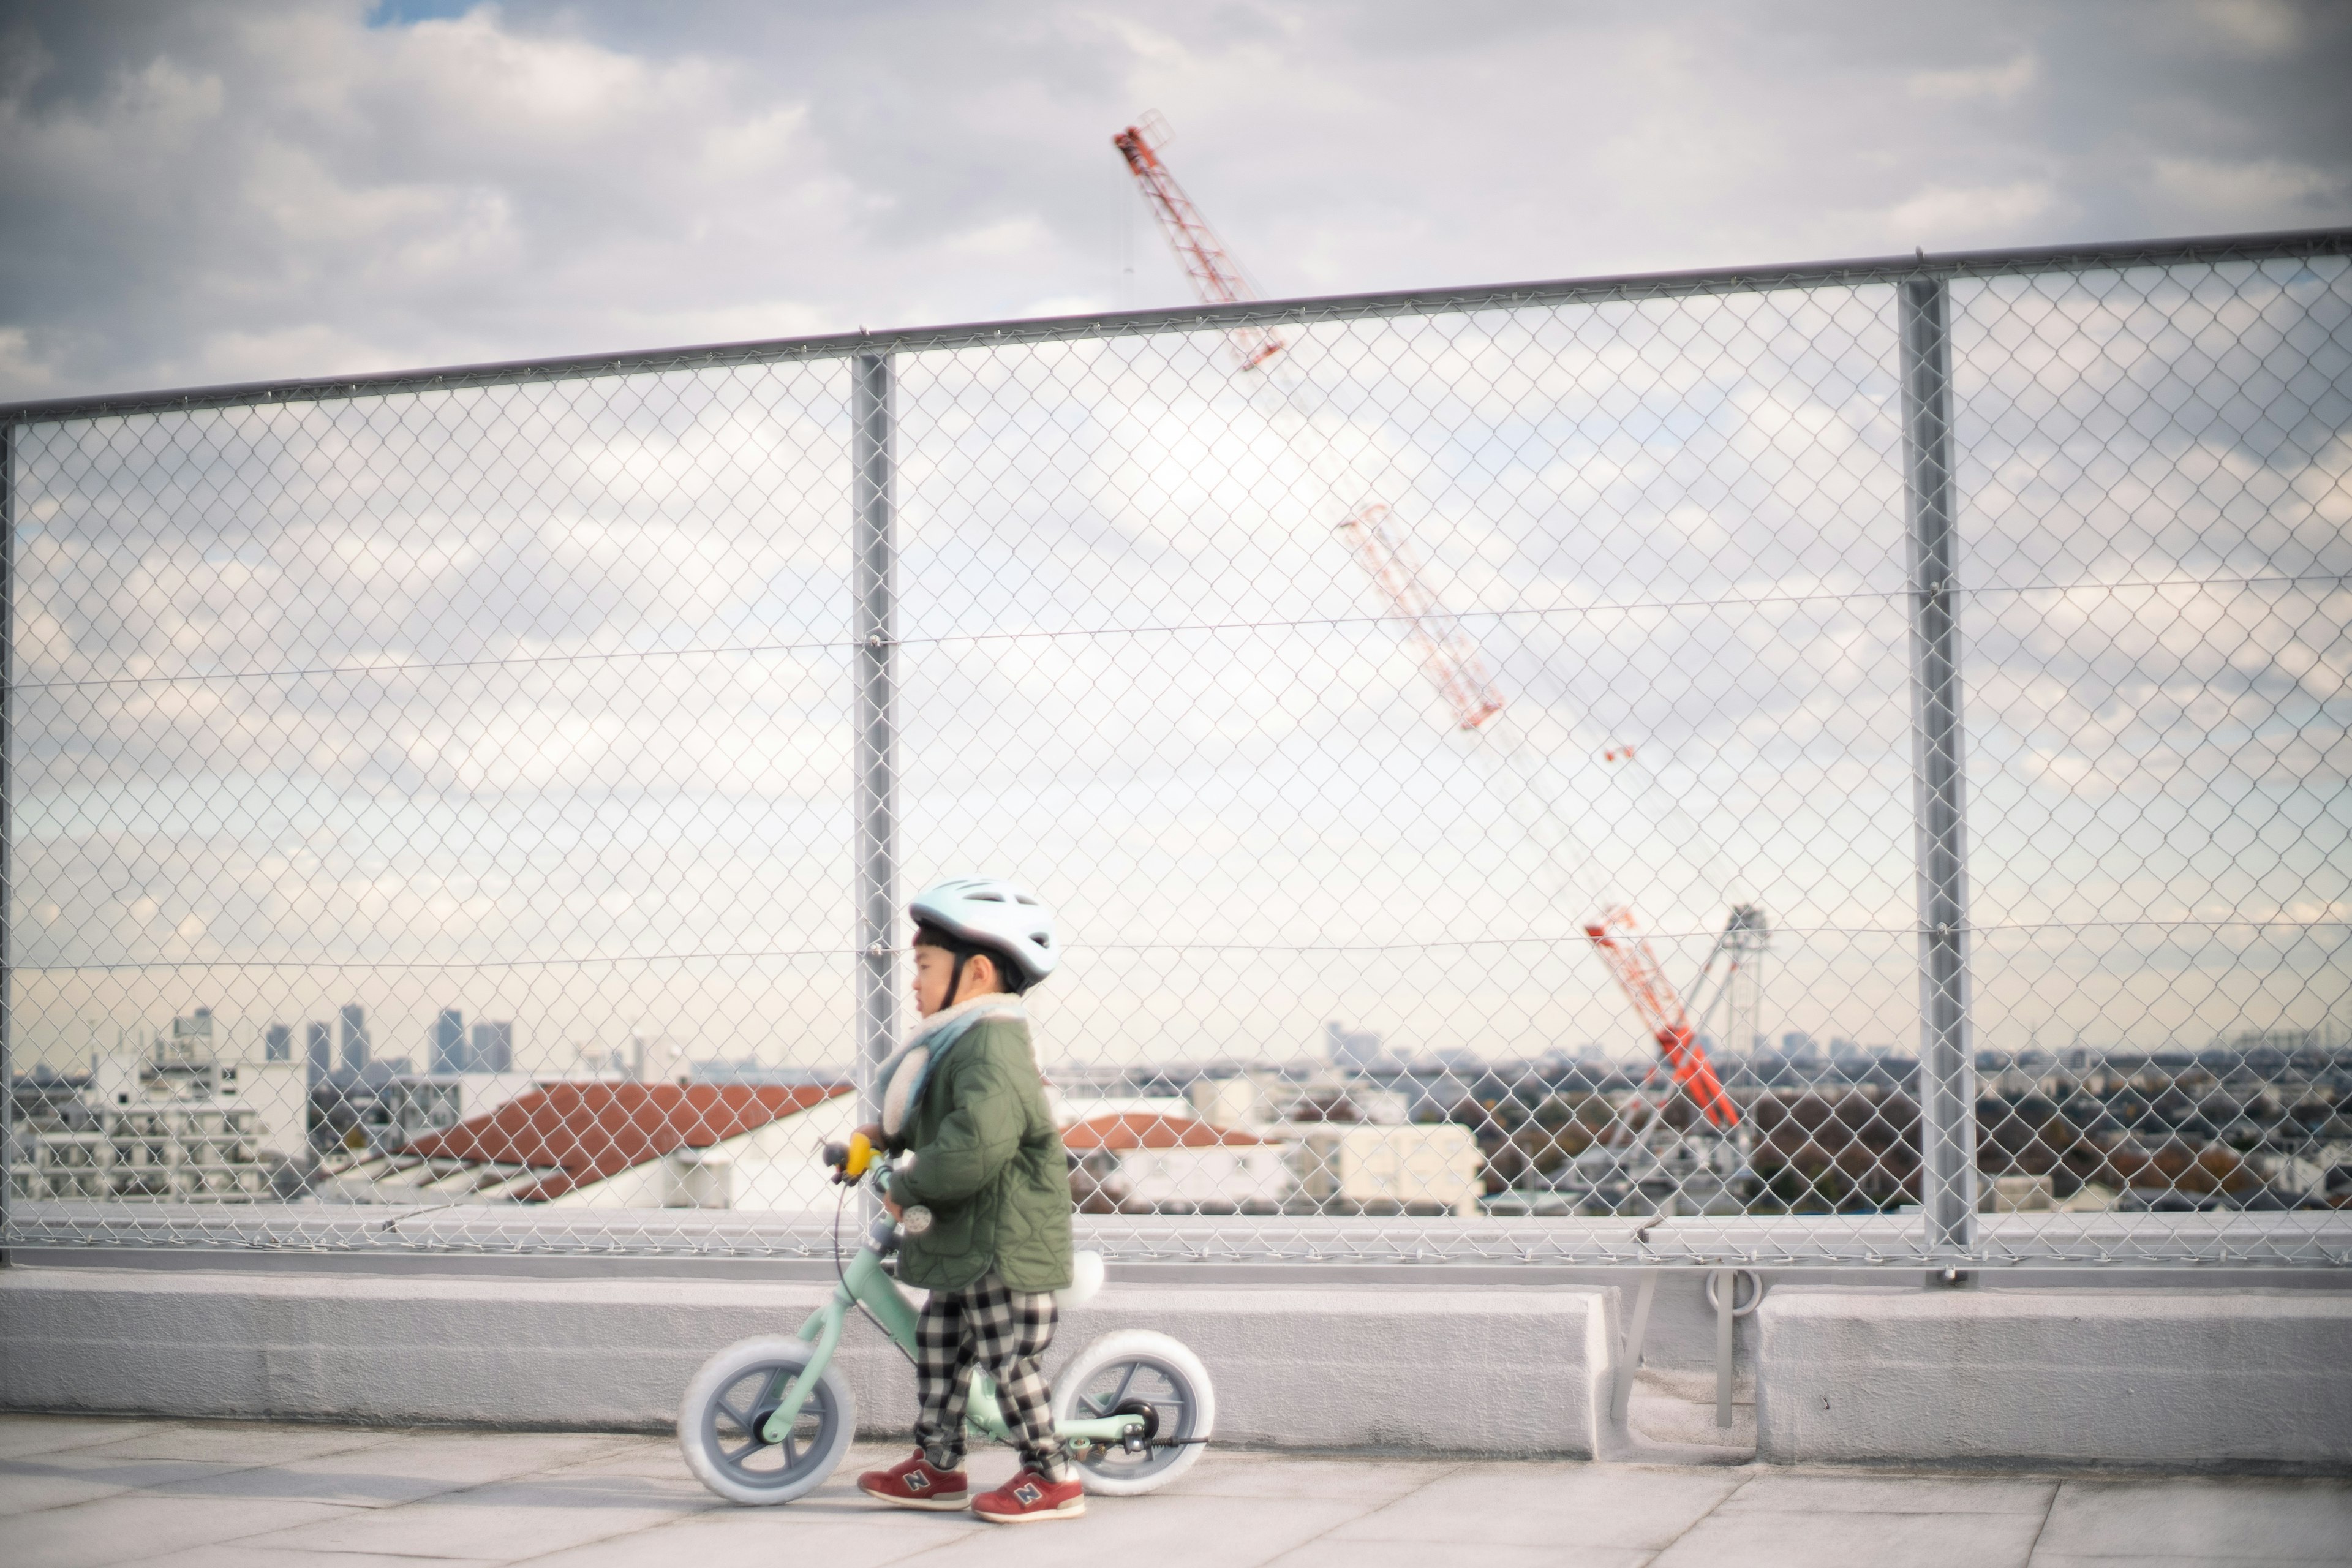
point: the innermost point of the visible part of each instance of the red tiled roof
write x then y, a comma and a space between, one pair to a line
1147, 1130
593, 1131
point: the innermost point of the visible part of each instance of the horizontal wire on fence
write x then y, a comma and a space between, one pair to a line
1759, 600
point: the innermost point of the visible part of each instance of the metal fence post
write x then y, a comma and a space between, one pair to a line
8, 834
1948, 1187
877, 730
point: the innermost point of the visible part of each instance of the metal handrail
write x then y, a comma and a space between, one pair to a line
1856, 273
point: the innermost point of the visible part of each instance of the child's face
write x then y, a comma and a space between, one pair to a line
934, 967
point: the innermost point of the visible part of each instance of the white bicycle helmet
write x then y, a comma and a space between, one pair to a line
1001, 917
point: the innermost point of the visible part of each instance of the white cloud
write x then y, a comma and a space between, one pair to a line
2252, 191
541, 179
2002, 81
18, 368
2261, 28
1946, 219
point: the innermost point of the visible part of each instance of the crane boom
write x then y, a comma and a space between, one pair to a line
1215, 276
1645, 985
1447, 653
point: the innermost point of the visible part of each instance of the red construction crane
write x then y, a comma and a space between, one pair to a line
1447, 655
1645, 985
1215, 276
1446, 652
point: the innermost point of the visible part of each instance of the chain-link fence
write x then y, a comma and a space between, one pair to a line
1828, 765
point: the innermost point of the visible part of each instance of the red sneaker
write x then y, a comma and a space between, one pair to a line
1029, 1497
913, 1483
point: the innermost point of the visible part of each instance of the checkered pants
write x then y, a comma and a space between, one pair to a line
1006, 1332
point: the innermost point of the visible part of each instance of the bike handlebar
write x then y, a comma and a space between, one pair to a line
852, 1160
860, 1161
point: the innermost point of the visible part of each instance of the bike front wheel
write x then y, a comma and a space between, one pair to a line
1137, 1371
731, 1399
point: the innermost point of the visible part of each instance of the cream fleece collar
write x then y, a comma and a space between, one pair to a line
995, 1004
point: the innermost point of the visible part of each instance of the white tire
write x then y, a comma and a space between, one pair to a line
1132, 1365
734, 1392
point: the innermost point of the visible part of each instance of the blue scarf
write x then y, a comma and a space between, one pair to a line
921, 1056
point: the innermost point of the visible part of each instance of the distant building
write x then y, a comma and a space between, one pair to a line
1248, 1100
1144, 1161
165, 1124
355, 1038
493, 1048
1351, 1050
1369, 1169
1257, 1099
1348, 1146
385, 1107
193, 1152
318, 1040
448, 1054
1655, 1174
258, 1072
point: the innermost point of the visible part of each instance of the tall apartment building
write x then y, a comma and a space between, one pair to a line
173, 1123
150, 1150
355, 1038
489, 1049
494, 1047
449, 1053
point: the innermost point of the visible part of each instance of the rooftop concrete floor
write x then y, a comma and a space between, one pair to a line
186, 1494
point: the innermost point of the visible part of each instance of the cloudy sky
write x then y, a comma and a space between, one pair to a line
496, 698
224, 191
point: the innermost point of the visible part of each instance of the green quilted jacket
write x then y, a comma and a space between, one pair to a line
988, 1164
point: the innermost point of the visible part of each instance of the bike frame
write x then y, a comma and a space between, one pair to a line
864, 1282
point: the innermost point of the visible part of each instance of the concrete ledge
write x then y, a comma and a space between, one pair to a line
1487, 1372
1424, 1370
2148, 1379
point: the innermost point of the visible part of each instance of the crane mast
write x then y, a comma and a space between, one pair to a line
1448, 656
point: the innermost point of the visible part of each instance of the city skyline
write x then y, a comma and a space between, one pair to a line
492, 1042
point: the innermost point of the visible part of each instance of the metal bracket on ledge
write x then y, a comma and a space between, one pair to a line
1723, 1295
1629, 1348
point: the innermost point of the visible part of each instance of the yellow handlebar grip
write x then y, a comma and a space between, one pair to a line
861, 1156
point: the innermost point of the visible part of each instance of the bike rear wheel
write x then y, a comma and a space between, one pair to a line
1130, 1370
719, 1421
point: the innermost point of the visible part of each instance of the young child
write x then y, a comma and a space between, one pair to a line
983, 1193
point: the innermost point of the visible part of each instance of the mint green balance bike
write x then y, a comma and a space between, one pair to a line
767, 1419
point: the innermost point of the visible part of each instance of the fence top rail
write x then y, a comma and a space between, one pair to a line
1131, 324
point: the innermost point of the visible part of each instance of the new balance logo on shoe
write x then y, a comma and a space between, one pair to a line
1028, 1496
917, 1483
